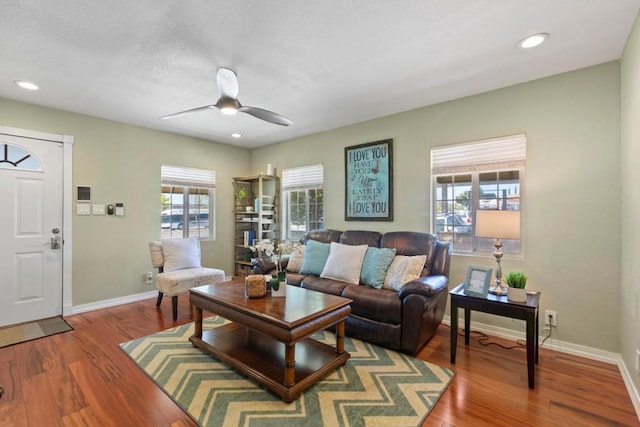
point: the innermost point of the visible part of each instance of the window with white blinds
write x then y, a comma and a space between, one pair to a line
179, 175
303, 200
303, 177
187, 202
508, 152
472, 176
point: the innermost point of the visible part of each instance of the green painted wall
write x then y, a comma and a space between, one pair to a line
122, 163
571, 212
630, 162
571, 208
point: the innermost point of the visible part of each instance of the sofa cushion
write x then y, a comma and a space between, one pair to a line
382, 305
295, 259
375, 265
179, 281
358, 237
295, 279
411, 243
181, 253
323, 235
403, 269
328, 286
344, 263
315, 256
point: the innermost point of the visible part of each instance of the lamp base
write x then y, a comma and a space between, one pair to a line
498, 290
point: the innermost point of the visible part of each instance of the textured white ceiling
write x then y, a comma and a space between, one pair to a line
322, 64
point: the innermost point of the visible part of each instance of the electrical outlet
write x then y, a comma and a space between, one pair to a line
149, 278
638, 361
550, 316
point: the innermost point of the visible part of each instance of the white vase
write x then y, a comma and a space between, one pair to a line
516, 294
281, 292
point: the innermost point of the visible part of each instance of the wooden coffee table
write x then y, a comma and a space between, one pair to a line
268, 338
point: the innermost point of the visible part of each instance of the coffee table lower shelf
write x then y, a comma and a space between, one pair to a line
262, 358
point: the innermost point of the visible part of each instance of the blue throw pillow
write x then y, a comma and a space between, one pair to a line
375, 265
315, 257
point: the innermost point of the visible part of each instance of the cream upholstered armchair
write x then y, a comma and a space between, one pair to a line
178, 263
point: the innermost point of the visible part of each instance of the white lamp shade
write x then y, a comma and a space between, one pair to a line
498, 224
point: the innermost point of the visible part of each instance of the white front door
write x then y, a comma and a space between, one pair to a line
31, 235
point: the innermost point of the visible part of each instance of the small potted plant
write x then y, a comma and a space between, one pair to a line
243, 196
517, 281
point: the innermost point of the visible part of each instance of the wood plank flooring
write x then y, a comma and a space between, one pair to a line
82, 378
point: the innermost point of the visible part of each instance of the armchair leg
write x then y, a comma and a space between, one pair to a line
174, 307
159, 300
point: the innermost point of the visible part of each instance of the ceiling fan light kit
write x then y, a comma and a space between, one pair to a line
229, 105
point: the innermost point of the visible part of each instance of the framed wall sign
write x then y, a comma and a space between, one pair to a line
477, 282
368, 193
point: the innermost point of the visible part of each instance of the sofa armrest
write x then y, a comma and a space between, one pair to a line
261, 266
428, 286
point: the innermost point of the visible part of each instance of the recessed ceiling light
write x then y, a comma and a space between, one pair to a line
26, 85
532, 40
236, 135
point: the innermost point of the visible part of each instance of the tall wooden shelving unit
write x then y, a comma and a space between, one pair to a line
262, 220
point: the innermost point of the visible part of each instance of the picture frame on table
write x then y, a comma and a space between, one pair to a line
477, 282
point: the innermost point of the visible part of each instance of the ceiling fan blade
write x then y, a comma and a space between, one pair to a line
266, 115
193, 110
227, 83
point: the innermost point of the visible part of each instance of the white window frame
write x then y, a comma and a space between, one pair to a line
191, 178
495, 155
300, 178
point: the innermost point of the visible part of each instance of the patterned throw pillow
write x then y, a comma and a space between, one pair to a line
315, 256
295, 259
375, 265
402, 270
344, 262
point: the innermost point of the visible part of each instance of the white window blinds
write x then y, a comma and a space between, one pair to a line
506, 152
189, 177
303, 177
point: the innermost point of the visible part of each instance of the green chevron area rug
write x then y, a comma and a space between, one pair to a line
375, 387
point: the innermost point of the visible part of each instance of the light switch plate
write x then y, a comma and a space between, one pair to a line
83, 209
98, 209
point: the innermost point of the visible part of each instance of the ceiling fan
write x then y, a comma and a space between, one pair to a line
228, 103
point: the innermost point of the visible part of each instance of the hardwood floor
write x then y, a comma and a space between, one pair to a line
82, 378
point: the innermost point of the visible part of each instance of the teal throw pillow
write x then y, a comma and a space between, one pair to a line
315, 257
375, 265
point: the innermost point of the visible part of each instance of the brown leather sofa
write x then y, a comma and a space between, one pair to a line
403, 320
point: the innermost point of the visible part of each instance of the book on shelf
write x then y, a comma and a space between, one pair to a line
249, 237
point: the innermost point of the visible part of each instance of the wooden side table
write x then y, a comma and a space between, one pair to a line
500, 305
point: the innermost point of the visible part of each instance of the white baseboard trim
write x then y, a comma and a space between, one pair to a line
631, 388
69, 309
82, 308
564, 347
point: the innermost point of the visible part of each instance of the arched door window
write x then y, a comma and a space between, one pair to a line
14, 157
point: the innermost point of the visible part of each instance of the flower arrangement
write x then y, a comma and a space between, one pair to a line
284, 248
264, 246
274, 252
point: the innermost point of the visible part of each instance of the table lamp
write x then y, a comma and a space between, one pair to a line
498, 225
